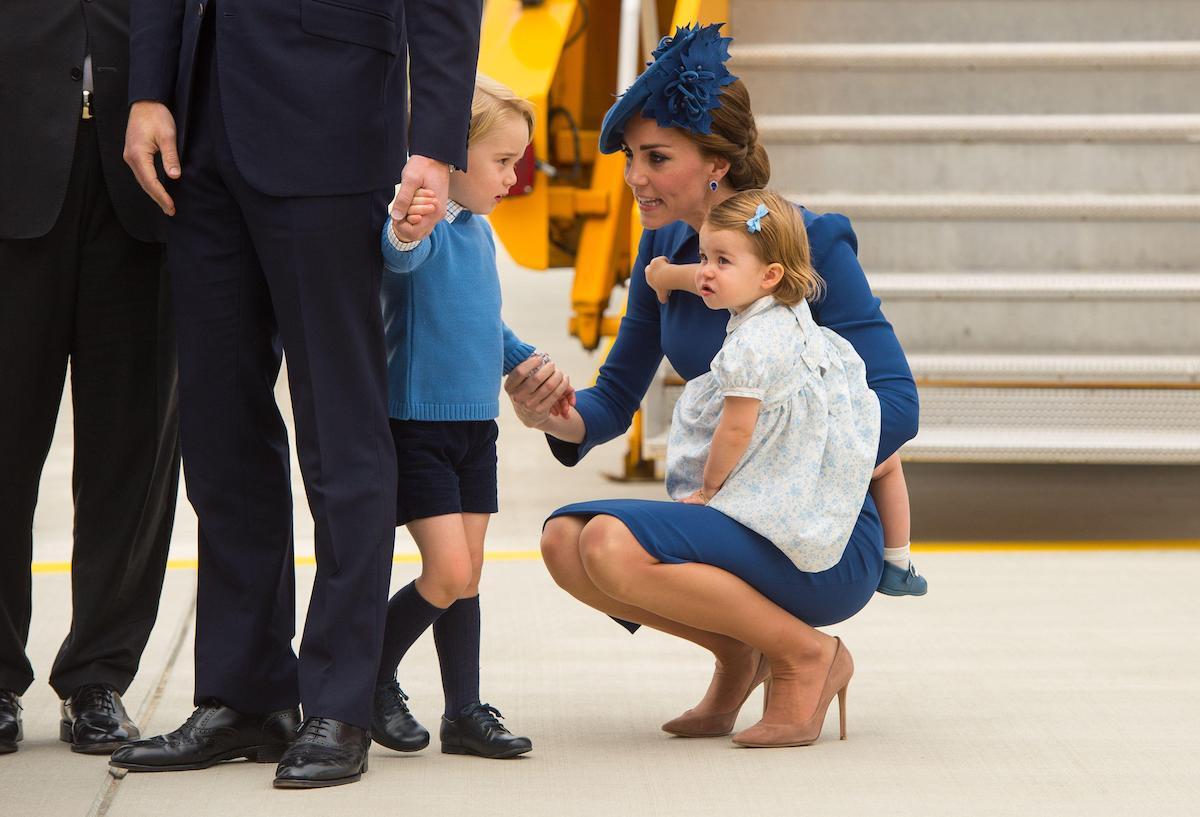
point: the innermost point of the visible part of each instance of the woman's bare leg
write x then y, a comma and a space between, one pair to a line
734, 665
709, 599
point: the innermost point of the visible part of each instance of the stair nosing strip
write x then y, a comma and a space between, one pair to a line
990, 55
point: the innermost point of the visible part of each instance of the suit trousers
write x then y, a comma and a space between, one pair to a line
90, 294
257, 277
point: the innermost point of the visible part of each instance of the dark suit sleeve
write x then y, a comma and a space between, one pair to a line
155, 28
443, 45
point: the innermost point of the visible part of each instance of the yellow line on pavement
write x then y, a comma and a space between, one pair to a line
921, 547
309, 561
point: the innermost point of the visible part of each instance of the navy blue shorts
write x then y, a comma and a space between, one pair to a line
444, 467
673, 532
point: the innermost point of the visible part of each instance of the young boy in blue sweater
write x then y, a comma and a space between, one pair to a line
447, 348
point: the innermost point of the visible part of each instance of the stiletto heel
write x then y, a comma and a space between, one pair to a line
842, 709
769, 735
766, 693
689, 725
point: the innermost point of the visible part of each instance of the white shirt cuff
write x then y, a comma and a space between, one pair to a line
397, 244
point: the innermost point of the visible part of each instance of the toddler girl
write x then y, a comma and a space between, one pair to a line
782, 433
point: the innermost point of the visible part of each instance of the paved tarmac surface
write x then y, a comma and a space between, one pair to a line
1047, 683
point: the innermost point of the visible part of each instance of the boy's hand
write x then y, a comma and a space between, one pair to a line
695, 498
409, 228
656, 277
563, 408
422, 172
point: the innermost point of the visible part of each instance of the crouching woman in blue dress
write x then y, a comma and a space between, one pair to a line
690, 141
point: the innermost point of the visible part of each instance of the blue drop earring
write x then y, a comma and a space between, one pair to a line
712, 185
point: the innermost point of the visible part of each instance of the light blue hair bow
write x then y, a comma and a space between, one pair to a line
754, 223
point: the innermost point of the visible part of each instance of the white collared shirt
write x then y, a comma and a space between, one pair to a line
453, 211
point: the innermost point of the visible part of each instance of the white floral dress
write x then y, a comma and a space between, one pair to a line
805, 474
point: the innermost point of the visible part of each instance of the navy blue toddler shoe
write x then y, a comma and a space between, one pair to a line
897, 581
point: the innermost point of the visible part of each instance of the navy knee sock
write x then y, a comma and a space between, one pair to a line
408, 615
456, 636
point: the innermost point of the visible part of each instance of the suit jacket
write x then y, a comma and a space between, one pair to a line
42, 46
313, 92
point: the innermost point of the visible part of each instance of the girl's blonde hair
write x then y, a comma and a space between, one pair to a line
781, 240
494, 103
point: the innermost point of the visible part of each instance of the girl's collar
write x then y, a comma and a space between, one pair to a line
737, 319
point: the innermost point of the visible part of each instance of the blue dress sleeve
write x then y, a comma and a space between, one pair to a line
849, 308
607, 408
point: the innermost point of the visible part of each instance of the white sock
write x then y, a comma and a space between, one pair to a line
897, 556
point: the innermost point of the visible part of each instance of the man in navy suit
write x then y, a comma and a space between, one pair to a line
282, 130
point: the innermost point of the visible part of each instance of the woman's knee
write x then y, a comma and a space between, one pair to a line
609, 552
560, 546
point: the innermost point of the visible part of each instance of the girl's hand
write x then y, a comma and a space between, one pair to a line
656, 276
408, 229
696, 498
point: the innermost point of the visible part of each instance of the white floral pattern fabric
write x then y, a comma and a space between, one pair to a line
805, 474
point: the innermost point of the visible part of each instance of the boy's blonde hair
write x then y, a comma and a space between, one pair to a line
493, 103
781, 240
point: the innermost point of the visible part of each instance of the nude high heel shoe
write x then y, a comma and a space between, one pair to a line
765, 735
716, 724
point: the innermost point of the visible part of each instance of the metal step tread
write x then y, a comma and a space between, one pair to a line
1036, 445
1008, 207
997, 55
1039, 286
1165, 369
1012, 444
1140, 127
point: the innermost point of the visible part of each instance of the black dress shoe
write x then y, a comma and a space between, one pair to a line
476, 731
392, 725
94, 721
10, 721
212, 734
326, 753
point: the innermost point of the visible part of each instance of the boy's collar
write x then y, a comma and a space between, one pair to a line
454, 211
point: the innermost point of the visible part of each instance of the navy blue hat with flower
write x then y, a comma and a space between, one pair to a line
679, 89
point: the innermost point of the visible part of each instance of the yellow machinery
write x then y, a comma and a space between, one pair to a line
562, 55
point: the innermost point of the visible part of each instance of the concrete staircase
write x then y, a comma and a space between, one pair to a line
1024, 177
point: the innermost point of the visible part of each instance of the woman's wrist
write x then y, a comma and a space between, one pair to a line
569, 429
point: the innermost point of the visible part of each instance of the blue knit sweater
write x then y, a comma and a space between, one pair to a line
446, 344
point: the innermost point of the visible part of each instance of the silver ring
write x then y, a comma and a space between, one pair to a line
545, 359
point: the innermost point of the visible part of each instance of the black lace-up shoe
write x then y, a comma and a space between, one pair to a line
326, 753
477, 731
212, 734
94, 721
10, 721
392, 725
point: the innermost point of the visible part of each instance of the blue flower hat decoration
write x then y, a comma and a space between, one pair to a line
679, 89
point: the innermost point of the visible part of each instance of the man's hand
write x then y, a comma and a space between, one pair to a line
432, 175
656, 276
151, 130
406, 228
